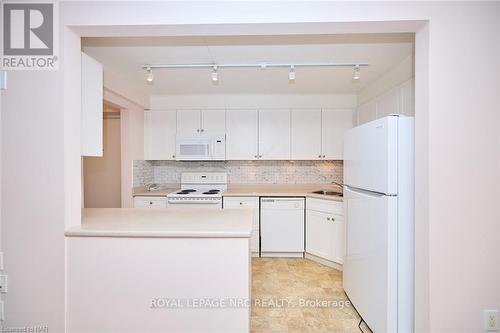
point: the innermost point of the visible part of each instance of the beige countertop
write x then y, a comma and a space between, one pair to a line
165, 223
255, 190
278, 190
165, 189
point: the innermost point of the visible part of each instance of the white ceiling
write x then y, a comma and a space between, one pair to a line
125, 56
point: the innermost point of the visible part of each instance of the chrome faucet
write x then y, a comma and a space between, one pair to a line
339, 185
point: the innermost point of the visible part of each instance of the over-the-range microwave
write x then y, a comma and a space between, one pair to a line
202, 147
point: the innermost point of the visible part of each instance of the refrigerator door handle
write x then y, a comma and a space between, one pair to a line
365, 192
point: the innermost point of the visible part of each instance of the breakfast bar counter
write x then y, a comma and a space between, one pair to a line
145, 222
161, 270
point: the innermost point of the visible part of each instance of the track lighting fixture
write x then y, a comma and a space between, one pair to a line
150, 76
215, 75
357, 73
262, 66
291, 74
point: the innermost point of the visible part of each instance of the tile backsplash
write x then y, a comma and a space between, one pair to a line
242, 172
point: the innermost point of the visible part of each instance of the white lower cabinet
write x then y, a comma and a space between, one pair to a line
150, 202
325, 229
248, 203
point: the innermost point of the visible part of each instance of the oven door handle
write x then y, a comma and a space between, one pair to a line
182, 202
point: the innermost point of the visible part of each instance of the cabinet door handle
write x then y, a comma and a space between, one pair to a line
328, 219
202, 130
323, 156
151, 202
256, 156
241, 203
173, 156
319, 156
333, 219
198, 130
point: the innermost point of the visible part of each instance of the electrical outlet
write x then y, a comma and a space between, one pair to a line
3, 283
491, 320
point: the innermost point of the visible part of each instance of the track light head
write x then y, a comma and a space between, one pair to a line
357, 73
215, 75
150, 77
291, 74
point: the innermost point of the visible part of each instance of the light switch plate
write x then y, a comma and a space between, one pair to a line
491, 320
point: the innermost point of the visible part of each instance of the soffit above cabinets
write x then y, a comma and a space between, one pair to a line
124, 57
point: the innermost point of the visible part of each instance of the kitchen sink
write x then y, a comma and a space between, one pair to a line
325, 192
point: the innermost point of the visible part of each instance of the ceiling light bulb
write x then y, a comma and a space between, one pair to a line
150, 76
215, 75
357, 73
291, 74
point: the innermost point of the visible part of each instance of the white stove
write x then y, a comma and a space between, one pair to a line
199, 190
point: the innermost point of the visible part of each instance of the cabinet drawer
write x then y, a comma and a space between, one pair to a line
244, 202
150, 202
327, 206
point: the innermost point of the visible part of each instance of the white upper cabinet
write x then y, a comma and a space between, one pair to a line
274, 134
407, 99
188, 122
159, 135
213, 121
335, 122
191, 122
398, 100
92, 107
242, 127
251, 134
389, 103
306, 134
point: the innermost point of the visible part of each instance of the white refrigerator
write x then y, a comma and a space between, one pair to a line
378, 271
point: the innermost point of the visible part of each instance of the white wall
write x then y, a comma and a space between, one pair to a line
33, 199
132, 141
102, 175
242, 101
457, 131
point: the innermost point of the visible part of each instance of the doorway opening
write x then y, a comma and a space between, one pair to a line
102, 175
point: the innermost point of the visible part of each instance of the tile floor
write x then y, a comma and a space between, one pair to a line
280, 288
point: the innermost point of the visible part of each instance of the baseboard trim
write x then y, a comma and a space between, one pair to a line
323, 261
282, 255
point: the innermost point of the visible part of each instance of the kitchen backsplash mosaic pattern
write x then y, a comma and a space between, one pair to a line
242, 172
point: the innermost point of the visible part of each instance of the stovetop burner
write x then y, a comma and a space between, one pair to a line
186, 191
212, 192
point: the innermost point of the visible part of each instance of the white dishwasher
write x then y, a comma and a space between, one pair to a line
282, 227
